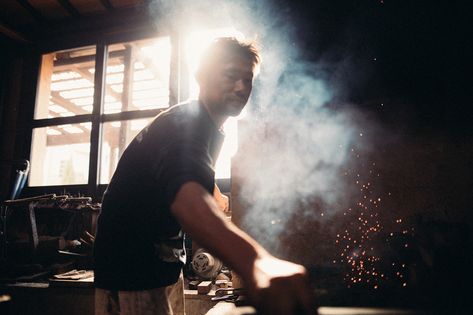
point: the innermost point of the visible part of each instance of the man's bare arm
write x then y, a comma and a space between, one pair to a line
275, 286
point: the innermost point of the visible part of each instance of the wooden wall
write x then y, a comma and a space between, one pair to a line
18, 76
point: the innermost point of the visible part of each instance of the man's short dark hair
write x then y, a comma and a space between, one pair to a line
224, 49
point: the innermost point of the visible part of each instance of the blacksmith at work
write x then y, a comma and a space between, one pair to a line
164, 185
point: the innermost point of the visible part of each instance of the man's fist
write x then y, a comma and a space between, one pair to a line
280, 287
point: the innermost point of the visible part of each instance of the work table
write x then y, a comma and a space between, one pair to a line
225, 308
42, 298
77, 298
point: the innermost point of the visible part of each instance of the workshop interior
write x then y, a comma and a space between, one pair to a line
353, 156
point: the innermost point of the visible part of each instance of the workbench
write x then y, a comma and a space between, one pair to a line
77, 298
225, 308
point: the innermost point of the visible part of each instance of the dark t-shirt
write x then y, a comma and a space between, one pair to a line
139, 244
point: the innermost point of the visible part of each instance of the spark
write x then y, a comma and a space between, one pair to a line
365, 263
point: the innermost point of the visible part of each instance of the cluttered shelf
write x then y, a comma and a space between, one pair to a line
45, 235
42, 239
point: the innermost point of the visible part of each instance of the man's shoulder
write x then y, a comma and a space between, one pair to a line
182, 110
182, 122
185, 106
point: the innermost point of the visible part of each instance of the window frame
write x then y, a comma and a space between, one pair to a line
178, 91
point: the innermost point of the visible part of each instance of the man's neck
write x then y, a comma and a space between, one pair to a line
216, 118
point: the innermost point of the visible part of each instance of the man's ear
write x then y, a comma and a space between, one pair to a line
199, 77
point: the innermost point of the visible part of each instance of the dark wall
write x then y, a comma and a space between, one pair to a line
18, 76
406, 65
412, 54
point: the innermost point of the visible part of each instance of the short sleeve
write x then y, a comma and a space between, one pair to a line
183, 162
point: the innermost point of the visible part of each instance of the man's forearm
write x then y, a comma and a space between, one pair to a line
275, 286
198, 214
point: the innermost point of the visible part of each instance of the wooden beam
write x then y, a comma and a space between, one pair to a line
121, 25
87, 75
61, 101
42, 98
95, 134
67, 139
85, 130
107, 4
84, 59
126, 94
32, 11
69, 8
13, 34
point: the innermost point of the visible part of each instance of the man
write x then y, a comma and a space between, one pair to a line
163, 185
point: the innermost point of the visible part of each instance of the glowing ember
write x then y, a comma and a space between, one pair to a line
360, 247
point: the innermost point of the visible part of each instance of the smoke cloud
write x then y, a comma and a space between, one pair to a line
294, 145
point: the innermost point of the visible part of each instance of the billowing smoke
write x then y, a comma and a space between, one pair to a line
293, 146
318, 181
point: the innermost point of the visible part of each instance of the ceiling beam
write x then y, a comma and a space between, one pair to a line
69, 8
13, 34
107, 4
118, 26
32, 11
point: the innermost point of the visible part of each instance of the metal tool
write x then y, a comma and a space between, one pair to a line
237, 296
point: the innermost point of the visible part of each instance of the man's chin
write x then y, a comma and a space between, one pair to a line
234, 109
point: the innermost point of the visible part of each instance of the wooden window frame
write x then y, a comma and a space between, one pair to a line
177, 92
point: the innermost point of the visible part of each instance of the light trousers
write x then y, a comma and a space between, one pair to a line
161, 301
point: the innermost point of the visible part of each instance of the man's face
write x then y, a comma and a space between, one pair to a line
227, 88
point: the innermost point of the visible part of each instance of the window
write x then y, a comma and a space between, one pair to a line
60, 151
92, 101
138, 75
137, 80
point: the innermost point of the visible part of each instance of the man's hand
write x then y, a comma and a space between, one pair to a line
221, 199
280, 287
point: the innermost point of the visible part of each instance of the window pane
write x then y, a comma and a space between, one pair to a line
138, 75
60, 155
116, 136
66, 85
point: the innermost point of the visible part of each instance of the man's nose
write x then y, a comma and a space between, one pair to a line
240, 85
